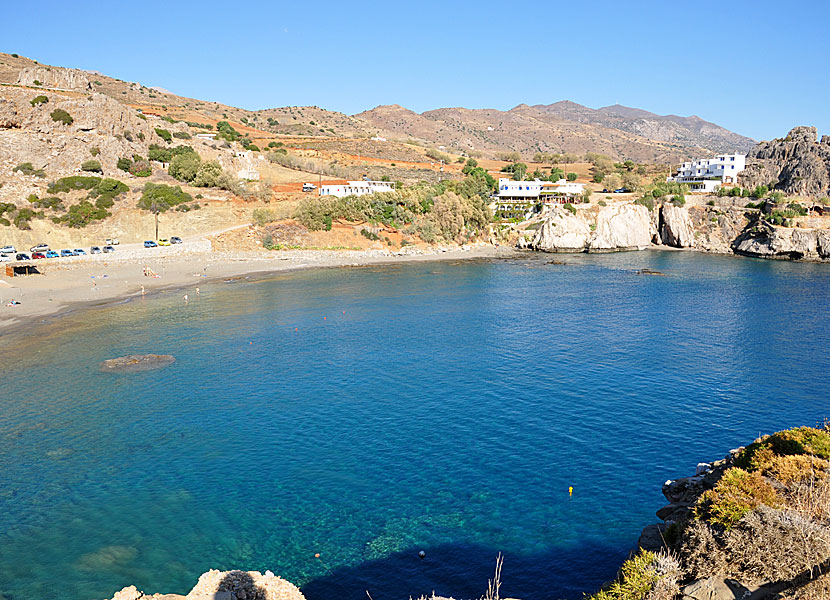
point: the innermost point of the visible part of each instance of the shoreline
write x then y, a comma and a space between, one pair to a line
69, 288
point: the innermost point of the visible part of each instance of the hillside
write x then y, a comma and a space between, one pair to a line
562, 127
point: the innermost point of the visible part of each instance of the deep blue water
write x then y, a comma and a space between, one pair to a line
444, 407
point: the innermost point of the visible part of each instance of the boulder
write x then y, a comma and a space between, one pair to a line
621, 227
562, 231
651, 538
766, 240
243, 585
676, 226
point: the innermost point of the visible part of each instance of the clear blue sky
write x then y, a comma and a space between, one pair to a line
758, 68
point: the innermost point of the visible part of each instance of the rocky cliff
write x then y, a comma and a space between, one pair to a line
798, 164
753, 525
723, 228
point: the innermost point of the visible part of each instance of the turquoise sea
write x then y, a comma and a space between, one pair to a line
367, 414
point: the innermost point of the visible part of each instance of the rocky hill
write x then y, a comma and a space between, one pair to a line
617, 131
798, 164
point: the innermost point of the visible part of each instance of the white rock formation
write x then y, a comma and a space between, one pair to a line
562, 231
676, 226
622, 227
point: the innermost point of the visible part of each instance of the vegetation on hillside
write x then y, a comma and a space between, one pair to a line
449, 210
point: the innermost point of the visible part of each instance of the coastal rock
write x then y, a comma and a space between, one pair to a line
562, 231
766, 240
651, 538
621, 227
676, 226
243, 585
137, 362
797, 164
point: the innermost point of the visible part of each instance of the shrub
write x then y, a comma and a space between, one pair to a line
124, 164
159, 197
23, 216
61, 116
602, 203
53, 202
760, 191
647, 201
95, 151
598, 177
82, 214
70, 184
141, 168
570, 208
28, 169
164, 134
261, 216
635, 581
182, 135
226, 132
572, 176
209, 174
678, 200
736, 493
798, 441
437, 155
92, 166
369, 235
185, 166
710, 203
38, 100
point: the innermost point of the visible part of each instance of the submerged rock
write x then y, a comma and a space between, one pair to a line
137, 362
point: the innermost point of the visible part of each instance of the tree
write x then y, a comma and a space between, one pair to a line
572, 176
612, 182
630, 181
185, 166
598, 177
157, 198
760, 191
208, 174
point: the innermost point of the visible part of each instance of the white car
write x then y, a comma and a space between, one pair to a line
111, 242
5, 258
40, 248
309, 187
8, 250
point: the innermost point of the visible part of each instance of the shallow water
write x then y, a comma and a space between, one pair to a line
438, 406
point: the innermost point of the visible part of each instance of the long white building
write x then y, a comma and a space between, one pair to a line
708, 174
519, 199
356, 188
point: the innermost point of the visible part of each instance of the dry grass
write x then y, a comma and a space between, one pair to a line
737, 493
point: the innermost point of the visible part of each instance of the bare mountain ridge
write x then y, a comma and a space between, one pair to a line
620, 132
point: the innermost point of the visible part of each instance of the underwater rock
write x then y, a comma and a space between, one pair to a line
137, 362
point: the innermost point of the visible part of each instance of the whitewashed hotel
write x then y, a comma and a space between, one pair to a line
356, 188
519, 199
707, 175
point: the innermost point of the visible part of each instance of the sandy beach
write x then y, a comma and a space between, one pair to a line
66, 285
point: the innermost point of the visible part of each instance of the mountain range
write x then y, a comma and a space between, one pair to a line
562, 127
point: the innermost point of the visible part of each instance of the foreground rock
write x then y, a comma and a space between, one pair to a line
765, 240
676, 226
137, 362
226, 585
612, 228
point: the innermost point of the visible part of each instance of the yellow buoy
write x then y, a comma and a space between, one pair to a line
570, 490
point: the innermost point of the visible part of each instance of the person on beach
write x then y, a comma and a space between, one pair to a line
142, 290
185, 298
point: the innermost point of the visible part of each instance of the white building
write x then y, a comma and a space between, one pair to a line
706, 175
519, 199
356, 188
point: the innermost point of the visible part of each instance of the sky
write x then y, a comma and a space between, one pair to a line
757, 68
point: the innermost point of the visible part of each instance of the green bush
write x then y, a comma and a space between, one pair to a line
252, 147
635, 581
95, 151
70, 184
164, 134
209, 174
647, 201
760, 191
124, 164
598, 177
602, 203
182, 135
226, 132
736, 493
28, 169
92, 166
678, 200
185, 166
572, 176
570, 208
159, 197
710, 203
82, 214
61, 116
261, 216
52, 202
38, 100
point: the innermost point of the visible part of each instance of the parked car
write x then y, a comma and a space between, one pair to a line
150, 244
79, 252
175, 240
8, 250
39, 248
37, 255
621, 191
5, 258
52, 254
95, 250
22, 256
309, 187
164, 242
67, 252
108, 249
112, 242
